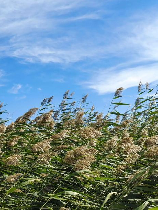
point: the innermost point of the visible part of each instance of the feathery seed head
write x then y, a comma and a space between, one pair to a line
92, 108
44, 158
147, 85
42, 146
89, 133
152, 152
10, 127
26, 116
13, 178
80, 157
151, 141
65, 96
13, 141
13, 160
1, 105
79, 117
45, 120
140, 87
84, 98
2, 128
118, 91
111, 144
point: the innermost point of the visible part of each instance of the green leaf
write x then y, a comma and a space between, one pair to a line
117, 97
150, 90
105, 166
56, 197
155, 112
116, 113
121, 104
12, 189
143, 206
30, 181
142, 92
153, 200
155, 208
71, 193
107, 198
104, 178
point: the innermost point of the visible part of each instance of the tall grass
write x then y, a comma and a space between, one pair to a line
73, 157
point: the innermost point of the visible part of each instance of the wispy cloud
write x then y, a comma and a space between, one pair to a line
129, 77
2, 85
1, 73
41, 31
137, 47
31, 30
21, 98
15, 89
58, 32
60, 80
139, 37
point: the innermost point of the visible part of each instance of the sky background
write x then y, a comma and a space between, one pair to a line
85, 46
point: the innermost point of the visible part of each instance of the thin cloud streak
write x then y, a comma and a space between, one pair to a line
21, 98
126, 78
15, 89
1, 73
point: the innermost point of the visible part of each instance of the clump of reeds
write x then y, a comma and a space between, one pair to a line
75, 158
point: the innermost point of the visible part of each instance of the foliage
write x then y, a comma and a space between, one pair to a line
75, 158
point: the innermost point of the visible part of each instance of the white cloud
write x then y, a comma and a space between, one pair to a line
140, 37
126, 78
51, 31
15, 89
38, 31
137, 45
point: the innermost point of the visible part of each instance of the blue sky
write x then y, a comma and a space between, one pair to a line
87, 46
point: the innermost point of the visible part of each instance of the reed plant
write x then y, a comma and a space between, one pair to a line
73, 157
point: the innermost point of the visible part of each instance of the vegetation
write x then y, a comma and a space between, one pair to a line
73, 157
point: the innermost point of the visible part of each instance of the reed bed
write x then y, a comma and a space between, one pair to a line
73, 157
